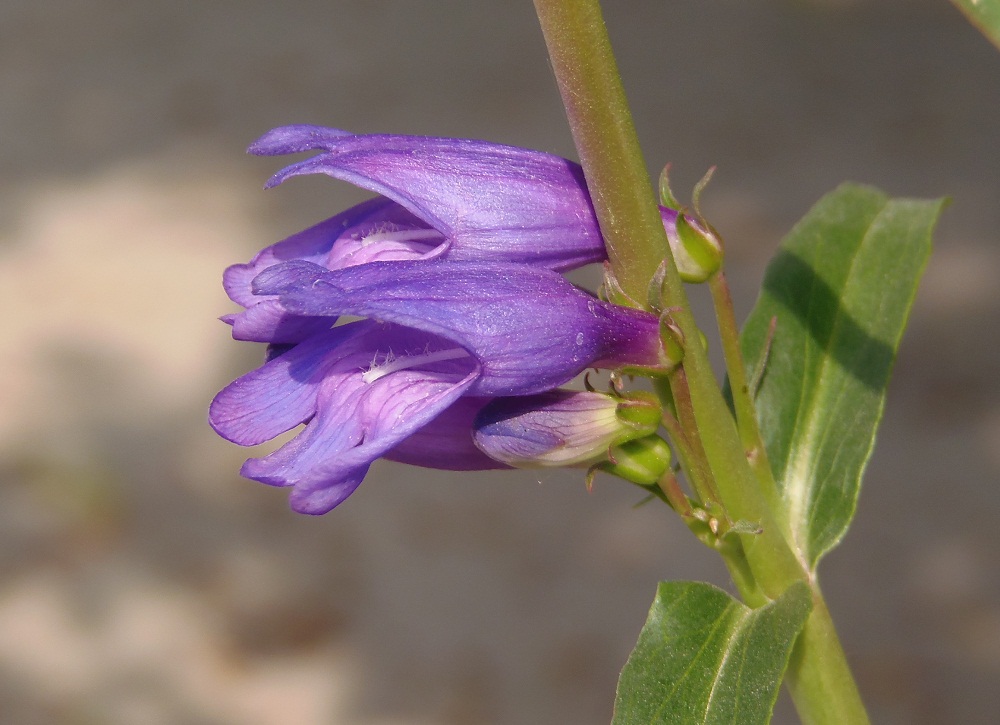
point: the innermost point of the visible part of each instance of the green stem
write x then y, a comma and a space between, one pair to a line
699, 470
605, 138
730, 335
619, 185
818, 677
743, 405
675, 495
692, 460
729, 547
602, 128
739, 569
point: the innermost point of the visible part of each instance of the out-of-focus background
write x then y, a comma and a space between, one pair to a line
142, 582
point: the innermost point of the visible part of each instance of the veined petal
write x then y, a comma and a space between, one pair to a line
490, 200
530, 329
446, 442
356, 422
361, 389
386, 245
279, 395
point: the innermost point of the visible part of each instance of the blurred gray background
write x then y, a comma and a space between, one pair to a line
142, 582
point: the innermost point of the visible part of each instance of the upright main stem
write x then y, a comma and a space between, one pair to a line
619, 184
818, 676
605, 138
620, 187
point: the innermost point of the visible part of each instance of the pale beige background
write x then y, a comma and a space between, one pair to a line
142, 582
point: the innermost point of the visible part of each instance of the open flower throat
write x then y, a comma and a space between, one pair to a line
385, 363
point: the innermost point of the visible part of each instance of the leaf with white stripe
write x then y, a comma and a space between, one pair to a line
840, 288
704, 657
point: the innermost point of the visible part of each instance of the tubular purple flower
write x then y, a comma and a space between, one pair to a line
561, 427
456, 266
362, 389
529, 327
451, 198
444, 330
487, 201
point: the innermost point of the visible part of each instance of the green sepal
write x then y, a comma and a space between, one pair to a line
667, 197
640, 410
611, 290
671, 341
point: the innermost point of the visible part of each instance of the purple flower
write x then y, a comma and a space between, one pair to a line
439, 334
375, 230
562, 427
453, 199
446, 442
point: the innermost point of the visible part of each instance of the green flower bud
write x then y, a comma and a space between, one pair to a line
696, 249
642, 461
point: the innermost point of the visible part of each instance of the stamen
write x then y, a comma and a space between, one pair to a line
400, 235
387, 358
391, 365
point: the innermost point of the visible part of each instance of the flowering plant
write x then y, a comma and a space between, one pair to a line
431, 325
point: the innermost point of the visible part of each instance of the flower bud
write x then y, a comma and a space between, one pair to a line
697, 250
562, 427
642, 461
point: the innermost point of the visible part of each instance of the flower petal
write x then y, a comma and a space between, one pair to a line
356, 422
268, 321
295, 139
446, 442
313, 244
530, 328
378, 229
492, 201
279, 395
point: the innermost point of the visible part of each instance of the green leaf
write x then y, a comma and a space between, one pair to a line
840, 288
985, 15
704, 657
